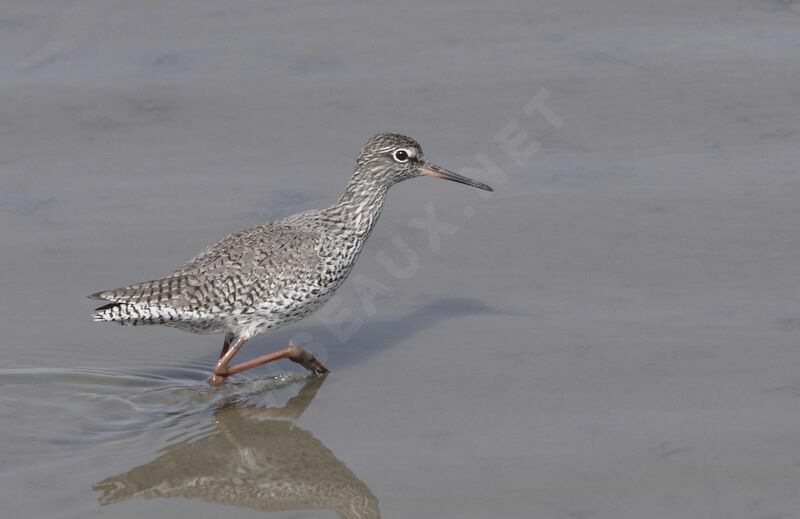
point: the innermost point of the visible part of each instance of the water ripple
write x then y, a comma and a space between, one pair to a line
54, 407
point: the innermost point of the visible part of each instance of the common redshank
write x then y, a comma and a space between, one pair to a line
274, 274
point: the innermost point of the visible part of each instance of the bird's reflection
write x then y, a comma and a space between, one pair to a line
256, 458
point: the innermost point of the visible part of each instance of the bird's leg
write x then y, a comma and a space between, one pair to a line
292, 352
221, 369
226, 344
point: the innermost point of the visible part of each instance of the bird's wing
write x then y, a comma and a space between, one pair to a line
149, 292
244, 268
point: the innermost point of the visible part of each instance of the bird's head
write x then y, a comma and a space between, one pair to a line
389, 158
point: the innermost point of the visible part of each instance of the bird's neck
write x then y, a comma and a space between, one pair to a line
360, 205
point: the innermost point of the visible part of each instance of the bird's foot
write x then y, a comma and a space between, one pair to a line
219, 375
306, 359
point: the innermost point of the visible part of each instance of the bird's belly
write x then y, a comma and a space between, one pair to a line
293, 302
274, 313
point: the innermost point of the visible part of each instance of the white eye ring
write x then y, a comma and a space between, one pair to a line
402, 155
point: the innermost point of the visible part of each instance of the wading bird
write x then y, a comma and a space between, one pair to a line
277, 273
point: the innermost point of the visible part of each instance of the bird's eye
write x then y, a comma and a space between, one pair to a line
401, 155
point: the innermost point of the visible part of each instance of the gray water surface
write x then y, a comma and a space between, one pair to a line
612, 334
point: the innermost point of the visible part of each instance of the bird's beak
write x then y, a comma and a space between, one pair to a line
432, 170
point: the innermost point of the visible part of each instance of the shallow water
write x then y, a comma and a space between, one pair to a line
611, 334
105, 406
235, 445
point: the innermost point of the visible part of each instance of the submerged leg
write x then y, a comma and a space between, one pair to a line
292, 352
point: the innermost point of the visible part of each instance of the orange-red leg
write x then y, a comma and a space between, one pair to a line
292, 352
225, 346
221, 367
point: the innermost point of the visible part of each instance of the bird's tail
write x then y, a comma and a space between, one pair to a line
130, 314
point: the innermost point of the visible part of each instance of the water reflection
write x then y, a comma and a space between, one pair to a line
257, 458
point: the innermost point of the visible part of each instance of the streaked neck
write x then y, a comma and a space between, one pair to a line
360, 205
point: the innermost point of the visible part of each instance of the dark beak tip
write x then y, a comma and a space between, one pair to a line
432, 170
